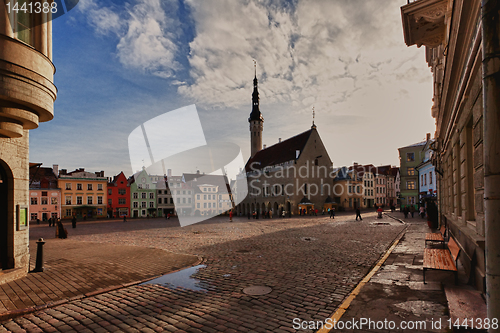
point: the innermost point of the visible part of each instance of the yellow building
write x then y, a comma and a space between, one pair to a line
84, 194
27, 95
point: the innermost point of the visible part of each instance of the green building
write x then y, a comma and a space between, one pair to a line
143, 194
409, 158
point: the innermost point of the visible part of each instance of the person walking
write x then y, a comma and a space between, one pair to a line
358, 214
271, 214
230, 216
406, 211
73, 222
412, 210
332, 213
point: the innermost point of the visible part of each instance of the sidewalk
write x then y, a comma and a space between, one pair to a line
75, 269
397, 292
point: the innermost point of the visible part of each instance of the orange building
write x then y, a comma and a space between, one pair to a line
83, 194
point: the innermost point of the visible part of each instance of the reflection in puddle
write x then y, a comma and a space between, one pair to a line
181, 279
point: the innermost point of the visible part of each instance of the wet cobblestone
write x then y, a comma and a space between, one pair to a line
309, 278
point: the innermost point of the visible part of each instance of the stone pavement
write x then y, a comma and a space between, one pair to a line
397, 293
74, 269
310, 264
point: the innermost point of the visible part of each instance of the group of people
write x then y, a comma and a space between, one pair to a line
409, 210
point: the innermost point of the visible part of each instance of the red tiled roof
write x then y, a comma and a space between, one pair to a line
279, 153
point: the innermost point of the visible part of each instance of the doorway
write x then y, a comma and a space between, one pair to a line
5, 184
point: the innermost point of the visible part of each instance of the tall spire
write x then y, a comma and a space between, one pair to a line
314, 115
255, 115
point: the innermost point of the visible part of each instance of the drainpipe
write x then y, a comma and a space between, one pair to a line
490, 10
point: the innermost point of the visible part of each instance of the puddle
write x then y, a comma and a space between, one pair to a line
181, 279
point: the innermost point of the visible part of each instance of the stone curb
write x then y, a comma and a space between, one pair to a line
20, 312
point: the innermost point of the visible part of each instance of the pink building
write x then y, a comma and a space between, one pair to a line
44, 196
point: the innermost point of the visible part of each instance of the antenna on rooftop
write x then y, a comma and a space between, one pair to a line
314, 116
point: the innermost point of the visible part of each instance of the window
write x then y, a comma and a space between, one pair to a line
425, 179
430, 177
34, 216
99, 200
136, 195
411, 171
136, 204
79, 187
110, 202
204, 205
143, 204
198, 205
410, 157
147, 186
159, 200
79, 200
68, 186
53, 201
89, 201
184, 200
151, 204
34, 201
204, 197
110, 192
189, 200
89, 187
197, 197
122, 201
171, 200
410, 185
68, 212
68, 200
151, 195
139, 186
122, 191
143, 195
99, 187
178, 200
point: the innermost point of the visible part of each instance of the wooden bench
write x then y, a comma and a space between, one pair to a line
442, 259
436, 237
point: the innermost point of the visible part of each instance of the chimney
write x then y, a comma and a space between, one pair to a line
55, 169
355, 164
169, 173
264, 146
279, 140
428, 136
63, 172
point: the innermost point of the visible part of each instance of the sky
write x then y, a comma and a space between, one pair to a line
120, 64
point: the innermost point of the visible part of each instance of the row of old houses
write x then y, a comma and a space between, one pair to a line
58, 193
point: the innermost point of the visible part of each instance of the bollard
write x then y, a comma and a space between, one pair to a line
39, 256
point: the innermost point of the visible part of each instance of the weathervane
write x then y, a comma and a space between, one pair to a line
314, 115
255, 67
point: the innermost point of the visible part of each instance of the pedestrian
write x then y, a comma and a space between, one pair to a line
37, 221
50, 222
412, 210
230, 216
358, 214
248, 215
271, 214
316, 212
422, 211
73, 222
406, 211
61, 231
379, 212
283, 213
168, 216
124, 218
332, 213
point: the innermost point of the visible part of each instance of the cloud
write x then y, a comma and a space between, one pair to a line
147, 36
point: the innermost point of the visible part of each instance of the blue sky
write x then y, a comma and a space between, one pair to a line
120, 64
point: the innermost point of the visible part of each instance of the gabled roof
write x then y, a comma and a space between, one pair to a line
42, 177
198, 179
415, 145
279, 153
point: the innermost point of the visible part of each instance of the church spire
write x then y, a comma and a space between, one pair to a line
256, 120
255, 115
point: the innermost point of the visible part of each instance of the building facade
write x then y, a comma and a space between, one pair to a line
427, 175
462, 48
143, 194
45, 195
409, 158
84, 194
118, 197
27, 95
